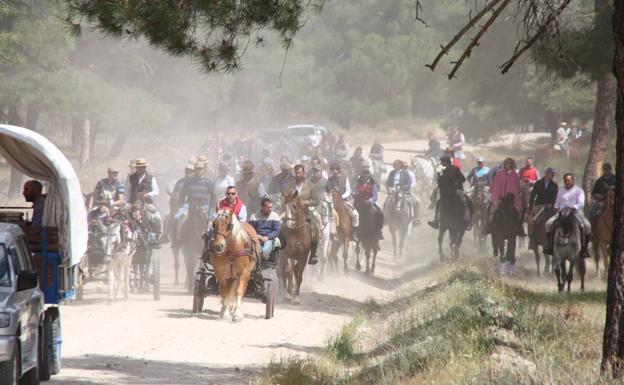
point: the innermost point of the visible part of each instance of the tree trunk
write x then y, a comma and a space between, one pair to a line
85, 135
613, 343
605, 106
16, 118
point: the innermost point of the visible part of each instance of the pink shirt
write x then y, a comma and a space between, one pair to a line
506, 182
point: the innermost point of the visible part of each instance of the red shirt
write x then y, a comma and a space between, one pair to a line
457, 163
225, 206
528, 174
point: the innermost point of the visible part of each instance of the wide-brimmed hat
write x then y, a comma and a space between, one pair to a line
480, 159
140, 162
285, 165
247, 167
202, 158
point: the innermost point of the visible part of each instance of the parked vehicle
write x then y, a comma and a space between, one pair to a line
38, 265
312, 132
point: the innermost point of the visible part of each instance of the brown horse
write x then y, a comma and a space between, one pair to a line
603, 228
343, 230
536, 220
294, 257
234, 246
367, 234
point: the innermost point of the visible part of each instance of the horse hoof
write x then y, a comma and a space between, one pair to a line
296, 301
238, 317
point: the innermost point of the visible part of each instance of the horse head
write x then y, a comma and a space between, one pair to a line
110, 235
567, 220
224, 225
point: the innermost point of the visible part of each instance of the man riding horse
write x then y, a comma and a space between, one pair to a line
113, 186
450, 183
250, 189
601, 190
506, 181
400, 180
197, 190
340, 183
573, 197
309, 193
142, 189
367, 188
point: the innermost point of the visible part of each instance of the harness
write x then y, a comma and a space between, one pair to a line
249, 249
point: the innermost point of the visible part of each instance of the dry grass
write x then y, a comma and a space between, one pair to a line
443, 335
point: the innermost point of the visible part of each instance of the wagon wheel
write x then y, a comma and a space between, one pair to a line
198, 292
155, 274
271, 296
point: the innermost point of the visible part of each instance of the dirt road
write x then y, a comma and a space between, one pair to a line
146, 342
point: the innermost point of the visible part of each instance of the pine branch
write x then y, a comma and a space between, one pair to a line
477, 38
537, 36
471, 23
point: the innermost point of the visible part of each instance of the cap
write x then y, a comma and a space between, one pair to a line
113, 169
549, 170
480, 159
445, 158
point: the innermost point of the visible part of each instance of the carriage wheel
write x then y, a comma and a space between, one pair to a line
198, 292
271, 295
155, 275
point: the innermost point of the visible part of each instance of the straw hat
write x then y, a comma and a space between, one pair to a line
140, 162
247, 167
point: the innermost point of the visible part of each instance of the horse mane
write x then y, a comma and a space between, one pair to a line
567, 221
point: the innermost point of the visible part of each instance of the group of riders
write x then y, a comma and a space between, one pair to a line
256, 196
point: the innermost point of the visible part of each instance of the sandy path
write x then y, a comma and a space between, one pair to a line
146, 342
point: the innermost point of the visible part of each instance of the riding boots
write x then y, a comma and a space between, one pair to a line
313, 260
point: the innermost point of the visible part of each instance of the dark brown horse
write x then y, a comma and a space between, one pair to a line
343, 230
480, 199
368, 236
234, 246
294, 257
504, 228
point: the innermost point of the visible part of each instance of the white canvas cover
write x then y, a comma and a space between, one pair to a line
34, 155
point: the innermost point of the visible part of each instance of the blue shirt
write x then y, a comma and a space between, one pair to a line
266, 225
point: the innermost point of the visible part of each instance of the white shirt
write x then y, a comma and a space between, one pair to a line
562, 135
573, 197
221, 184
412, 177
347, 193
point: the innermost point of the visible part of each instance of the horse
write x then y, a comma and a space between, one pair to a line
189, 238
326, 212
480, 199
424, 169
368, 232
504, 229
234, 253
567, 247
397, 210
294, 257
451, 220
170, 229
343, 231
536, 220
603, 230
117, 256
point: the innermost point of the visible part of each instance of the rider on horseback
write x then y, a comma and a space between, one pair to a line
481, 171
142, 189
367, 188
267, 225
309, 193
340, 183
450, 183
113, 186
197, 189
601, 190
400, 180
529, 173
506, 181
250, 187
570, 196
376, 151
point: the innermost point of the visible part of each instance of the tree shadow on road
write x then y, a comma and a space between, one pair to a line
117, 370
298, 348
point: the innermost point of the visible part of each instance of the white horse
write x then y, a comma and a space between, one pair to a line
119, 257
326, 212
425, 170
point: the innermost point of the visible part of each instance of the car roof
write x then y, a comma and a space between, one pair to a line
9, 231
302, 126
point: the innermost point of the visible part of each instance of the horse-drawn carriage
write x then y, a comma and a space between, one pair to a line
56, 249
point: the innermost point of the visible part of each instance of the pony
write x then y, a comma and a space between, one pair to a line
602, 233
367, 234
480, 199
234, 254
504, 229
567, 247
451, 220
190, 241
117, 256
397, 210
343, 231
294, 256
